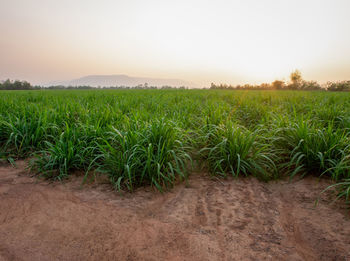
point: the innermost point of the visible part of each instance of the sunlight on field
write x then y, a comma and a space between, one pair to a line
200, 41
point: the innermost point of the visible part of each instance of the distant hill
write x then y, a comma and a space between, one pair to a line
122, 80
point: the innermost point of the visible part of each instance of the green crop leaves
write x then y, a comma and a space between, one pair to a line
310, 149
149, 137
154, 154
237, 151
74, 149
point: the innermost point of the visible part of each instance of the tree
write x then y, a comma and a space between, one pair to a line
338, 86
7, 85
16, 85
296, 79
310, 85
278, 85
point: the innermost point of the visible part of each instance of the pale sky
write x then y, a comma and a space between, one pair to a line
237, 41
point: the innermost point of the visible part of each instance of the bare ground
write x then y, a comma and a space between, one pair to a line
234, 219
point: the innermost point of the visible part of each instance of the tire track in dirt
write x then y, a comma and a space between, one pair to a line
292, 230
309, 229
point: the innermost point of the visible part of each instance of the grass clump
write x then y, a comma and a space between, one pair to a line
21, 136
232, 149
152, 154
74, 149
309, 149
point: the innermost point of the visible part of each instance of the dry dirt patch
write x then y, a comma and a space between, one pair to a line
235, 219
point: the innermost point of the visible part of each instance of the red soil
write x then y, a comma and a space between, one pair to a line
234, 219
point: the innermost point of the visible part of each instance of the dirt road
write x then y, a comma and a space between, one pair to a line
234, 219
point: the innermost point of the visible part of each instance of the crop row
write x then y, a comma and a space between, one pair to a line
155, 137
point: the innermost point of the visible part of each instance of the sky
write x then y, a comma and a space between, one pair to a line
220, 41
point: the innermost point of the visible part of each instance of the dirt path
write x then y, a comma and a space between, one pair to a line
236, 219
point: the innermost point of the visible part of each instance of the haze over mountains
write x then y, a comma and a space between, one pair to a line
122, 80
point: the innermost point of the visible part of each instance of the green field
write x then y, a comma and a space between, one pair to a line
157, 137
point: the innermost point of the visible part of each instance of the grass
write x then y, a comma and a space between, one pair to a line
20, 135
74, 149
343, 189
235, 150
150, 137
311, 149
152, 154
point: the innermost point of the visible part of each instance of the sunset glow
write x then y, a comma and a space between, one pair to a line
199, 41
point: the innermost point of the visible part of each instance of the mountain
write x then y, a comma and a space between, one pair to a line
122, 80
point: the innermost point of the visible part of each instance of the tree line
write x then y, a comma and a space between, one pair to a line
24, 85
17, 85
296, 83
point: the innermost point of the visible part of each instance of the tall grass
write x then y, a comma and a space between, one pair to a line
235, 150
146, 137
74, 149
154, 154
309, 149
20, 136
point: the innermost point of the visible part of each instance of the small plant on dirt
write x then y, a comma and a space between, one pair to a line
342, 189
